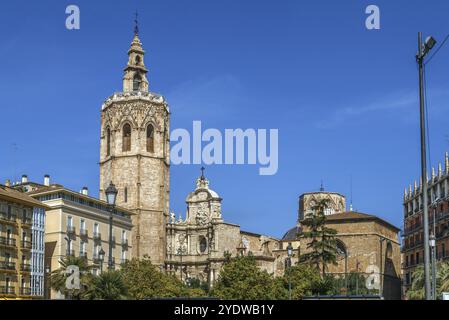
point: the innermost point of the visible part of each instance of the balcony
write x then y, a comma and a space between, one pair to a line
97, 236
25, 291
125, 243
83, 254
7, 290
70, 230
8, 218
7, 242
26, 245
7, 266
83, 232
70, 253
27, 222
25, 267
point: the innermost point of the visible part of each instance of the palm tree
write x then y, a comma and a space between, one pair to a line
416, 292
108, 285
59, 277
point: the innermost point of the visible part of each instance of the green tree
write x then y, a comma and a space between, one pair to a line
108, 285
241, 278
322, 244
58, 277
305, 280
145, 280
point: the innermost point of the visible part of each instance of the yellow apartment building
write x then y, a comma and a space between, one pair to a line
22, 221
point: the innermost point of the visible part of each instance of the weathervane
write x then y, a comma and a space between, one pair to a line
136, 24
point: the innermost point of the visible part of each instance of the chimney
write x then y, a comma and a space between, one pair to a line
8, 183
24, 178
47, 180
85, 191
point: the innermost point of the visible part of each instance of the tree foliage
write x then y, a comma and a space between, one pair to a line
241, 278
58, 277
417, 292
144, 280
305, 281
322, 243
108, 285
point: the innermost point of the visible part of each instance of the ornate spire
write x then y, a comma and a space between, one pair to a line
415, 187
410, 190
202, 182
440, 170
433, 173
405, 193
135, 79
446, 163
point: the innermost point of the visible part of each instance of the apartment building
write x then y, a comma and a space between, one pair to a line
78, 225
438, 209
22, 220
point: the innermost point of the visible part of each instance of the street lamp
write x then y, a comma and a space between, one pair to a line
422, 52
432, 244
289, 265
111, 196
101, 258
48, 276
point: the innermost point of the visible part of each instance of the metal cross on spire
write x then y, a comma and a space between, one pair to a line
202, 173
321, 187
136, 24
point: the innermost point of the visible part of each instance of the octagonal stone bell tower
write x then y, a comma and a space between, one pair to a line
134, 155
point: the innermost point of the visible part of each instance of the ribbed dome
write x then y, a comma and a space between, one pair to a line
292, 234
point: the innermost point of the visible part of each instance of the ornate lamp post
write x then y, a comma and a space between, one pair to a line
289, 265
111, 196
48, 277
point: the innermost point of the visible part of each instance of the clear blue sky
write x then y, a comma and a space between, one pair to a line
343, 98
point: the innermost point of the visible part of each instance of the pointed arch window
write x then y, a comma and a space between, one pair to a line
126, 194
138, 60
136, 82
108, 142
126, 140
150, 138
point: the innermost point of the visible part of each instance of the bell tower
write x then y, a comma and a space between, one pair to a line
134, 155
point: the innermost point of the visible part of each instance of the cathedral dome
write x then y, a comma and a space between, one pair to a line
292, 234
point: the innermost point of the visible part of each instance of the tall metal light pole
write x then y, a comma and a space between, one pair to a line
289, 265
111, 196
423, 49
432, 243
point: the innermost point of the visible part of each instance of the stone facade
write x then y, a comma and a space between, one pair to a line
134, 155
336, 202
196, 245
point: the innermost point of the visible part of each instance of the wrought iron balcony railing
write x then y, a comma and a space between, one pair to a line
26, 267
7, 290
7, 265
9, 242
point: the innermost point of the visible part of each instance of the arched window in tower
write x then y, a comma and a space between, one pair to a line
108, 142
150, 138
136, 82
138, 60
126, 140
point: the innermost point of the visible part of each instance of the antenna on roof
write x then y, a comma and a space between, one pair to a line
350, 204
321, 187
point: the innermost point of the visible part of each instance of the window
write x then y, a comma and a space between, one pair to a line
123, 235
138, 60
203, 244
443, 250
126, 142
136, 82
417, 258
150, 138
96, 229
82, 225
108, 142
123, 256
